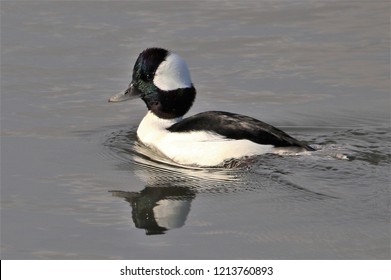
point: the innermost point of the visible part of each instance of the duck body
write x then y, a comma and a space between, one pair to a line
162, 80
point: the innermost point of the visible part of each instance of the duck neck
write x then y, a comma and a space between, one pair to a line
170, 104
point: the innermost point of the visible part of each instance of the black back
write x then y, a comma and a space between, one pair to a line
235, 126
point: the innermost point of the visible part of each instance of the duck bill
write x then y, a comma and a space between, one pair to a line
129, 94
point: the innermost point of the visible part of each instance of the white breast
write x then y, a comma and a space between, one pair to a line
194, 148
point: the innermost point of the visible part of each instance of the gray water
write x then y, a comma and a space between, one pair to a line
75, 184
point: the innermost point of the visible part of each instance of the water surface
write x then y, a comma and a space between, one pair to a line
75, 184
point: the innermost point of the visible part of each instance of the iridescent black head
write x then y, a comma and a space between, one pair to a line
162, 80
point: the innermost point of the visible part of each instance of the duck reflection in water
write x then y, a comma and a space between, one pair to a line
158, 209
165, 201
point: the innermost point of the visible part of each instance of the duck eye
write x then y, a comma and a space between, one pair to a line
149, 76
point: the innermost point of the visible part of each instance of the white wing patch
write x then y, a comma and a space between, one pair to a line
172, 73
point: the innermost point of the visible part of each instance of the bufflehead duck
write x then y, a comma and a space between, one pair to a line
162, 80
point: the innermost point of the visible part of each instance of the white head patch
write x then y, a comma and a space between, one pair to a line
172, 73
